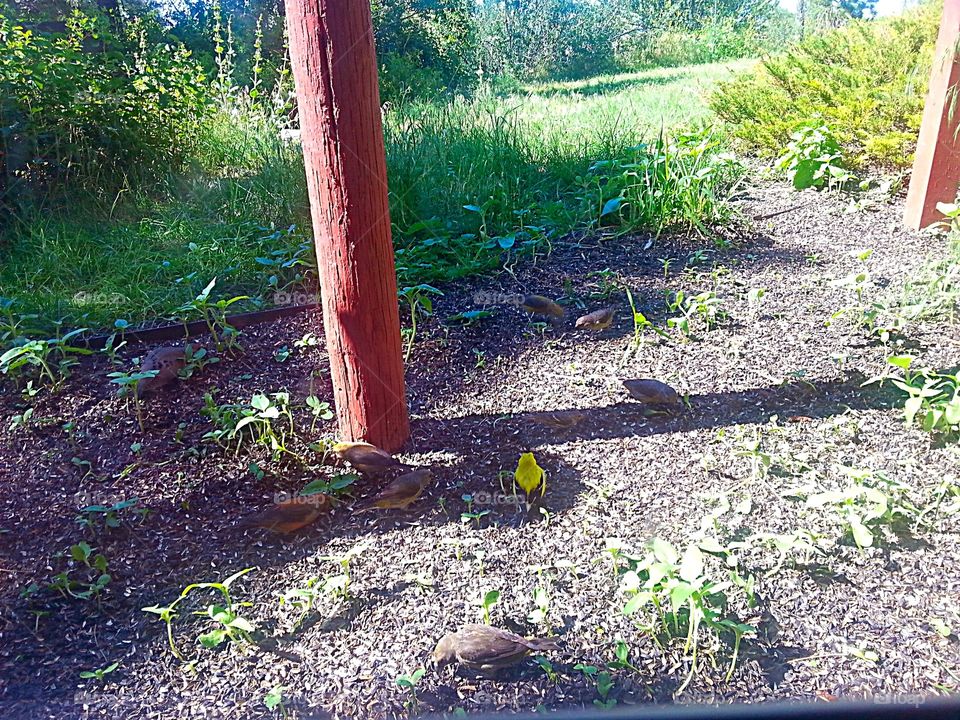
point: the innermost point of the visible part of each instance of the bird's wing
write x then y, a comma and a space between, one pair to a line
371, 458
282, 514
402, 488
482, 645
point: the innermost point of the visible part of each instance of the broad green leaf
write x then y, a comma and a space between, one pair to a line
691, 565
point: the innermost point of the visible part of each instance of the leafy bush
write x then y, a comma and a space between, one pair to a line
865, 81
813, 158
98, 103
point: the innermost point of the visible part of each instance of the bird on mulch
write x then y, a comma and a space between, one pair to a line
540, 305
530, 476
168, 362
290, 515
597, 320
487, 649
401, 492
366, 458
560, 419
653, 392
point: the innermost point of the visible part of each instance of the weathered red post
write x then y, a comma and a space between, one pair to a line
335, 71
936, 167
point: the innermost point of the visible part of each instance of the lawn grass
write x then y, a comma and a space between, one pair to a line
519, 161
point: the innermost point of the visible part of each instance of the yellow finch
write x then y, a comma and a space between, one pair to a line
529, 476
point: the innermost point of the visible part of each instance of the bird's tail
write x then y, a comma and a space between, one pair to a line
543, 645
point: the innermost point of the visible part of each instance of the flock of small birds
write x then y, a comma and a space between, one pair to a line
479, 648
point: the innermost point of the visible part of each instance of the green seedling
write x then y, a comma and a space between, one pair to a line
214, 315
670, 595
487, 602
470, 514
540, 615
334, 486
92, 570
339, 585
409, 683
273, 700
319, 410
109, 515
602, 681
230, 625
129, 383
419, 302
99, 675
469, 318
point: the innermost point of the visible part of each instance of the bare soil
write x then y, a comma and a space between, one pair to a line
774, 373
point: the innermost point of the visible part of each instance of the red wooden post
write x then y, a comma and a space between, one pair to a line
936, 167
335, 71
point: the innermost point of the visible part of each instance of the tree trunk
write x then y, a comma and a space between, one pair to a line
335, 71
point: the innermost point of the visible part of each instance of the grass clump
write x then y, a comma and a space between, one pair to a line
865, 82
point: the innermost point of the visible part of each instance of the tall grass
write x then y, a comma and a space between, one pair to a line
472, 185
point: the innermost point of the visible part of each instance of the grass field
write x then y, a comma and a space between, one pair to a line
241, 214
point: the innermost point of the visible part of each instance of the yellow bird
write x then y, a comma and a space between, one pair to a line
529, 476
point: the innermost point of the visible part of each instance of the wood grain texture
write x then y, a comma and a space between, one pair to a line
936, 166
335, 71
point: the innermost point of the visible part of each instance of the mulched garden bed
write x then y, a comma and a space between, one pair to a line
839, 623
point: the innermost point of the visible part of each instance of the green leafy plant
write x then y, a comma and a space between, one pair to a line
471, 514
419, 302
273, 700
129, 383
814, 158
670, 595
230, 625
487, 602
21, 420
933, 399
602, 681
339, 584
214, 315
110, 516
100, 674
871, 500
319, 410
87, 579
337, 485
303, 598
254, 422
540, 614
50, 358
409, 683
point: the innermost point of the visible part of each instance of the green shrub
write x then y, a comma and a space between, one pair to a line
866, 82
99, 104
